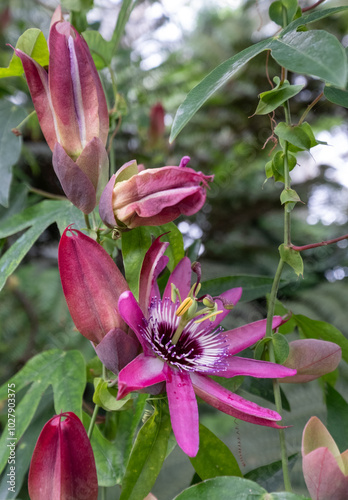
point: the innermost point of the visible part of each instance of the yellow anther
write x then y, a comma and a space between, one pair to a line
208, 316
184, 306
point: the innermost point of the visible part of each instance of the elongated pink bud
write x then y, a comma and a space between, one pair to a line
62, 466
92, 285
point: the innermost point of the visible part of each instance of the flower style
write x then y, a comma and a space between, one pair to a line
136, 197
182, 346
72, 112
92, 285
62, 465
325, 469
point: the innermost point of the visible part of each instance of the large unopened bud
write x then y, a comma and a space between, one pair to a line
63, 466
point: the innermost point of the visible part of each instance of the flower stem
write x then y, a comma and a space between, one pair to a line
93, 419
87, 221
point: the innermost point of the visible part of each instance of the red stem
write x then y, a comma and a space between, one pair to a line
313, 6
321, 244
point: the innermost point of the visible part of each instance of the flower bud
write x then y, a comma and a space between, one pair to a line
62, 466
151, 197
71, 107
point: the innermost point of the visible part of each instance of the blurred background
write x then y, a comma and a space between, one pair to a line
167, 48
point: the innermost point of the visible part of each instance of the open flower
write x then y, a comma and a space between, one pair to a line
72, 112
325, 469
136, 197
183, 345
62, 466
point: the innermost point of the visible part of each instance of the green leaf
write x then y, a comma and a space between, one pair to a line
10, 146
123, 16
214, 458
34, 44
272, 99
276, 11
314, 329
337, 411
102, 51
281, 347
105, 397
211, 83
270, 476
337, 96
254, 287
277, 165
48, 368
135, 244
233, 488
293, 258
289, 195
107, 455
312, 17
37, 218
300, 136
148, 454
315, 53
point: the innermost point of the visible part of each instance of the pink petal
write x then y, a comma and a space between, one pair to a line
76, 185
62, 465
312, 358
91, 283
143, 371
181, 278
315, 435
132, 314
183, 410
245, 336
117, 349
228, 402
253, 368
323, 477
150, 271
37, 79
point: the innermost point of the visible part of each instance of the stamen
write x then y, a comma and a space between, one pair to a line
184, 306
208, 316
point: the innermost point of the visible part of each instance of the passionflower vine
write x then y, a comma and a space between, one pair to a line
71, 107
135, 196
183, 345
62, 466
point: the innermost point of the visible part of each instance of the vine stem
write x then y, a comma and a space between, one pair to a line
310, 106
93, 419
87, 221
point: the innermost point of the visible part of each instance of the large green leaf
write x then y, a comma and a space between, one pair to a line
211, 83
337, 414
148, 454
33, 43
10, 146
314, 329
214, 458
136, 243
234, 488
65, 371
337, 96
254, 287
107, 455
315, 53
37, 219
